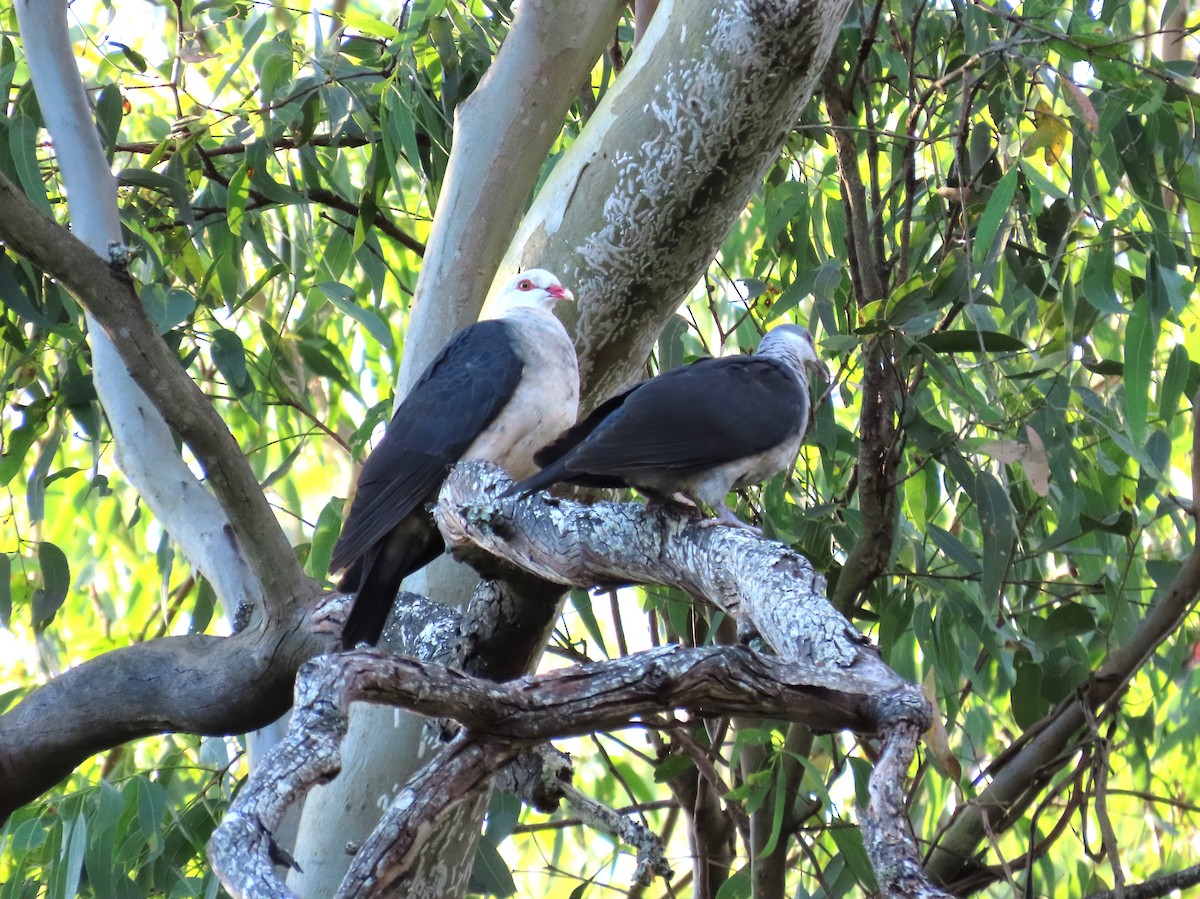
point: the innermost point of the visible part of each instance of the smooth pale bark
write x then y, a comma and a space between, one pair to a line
145, 447
196, 684
502, 133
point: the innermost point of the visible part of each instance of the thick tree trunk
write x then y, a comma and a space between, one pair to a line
634, 212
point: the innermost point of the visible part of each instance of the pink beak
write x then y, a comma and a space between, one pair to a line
560, 293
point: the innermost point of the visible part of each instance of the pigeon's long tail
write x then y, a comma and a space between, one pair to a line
539, 481
375, 578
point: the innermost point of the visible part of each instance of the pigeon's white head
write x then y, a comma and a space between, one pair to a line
532, 289
792, 345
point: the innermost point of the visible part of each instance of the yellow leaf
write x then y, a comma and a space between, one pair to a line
936, 738
1050, 134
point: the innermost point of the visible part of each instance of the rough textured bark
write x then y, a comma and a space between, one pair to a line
501, 720
635, 210
770, 590
824, 676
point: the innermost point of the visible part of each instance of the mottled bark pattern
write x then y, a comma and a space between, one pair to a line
632, 215
770, 589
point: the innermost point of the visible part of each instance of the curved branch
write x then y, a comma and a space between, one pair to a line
770, 589
145, 447
196, 684
1016, 777
108, 296
502, 720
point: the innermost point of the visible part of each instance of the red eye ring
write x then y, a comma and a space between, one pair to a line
524, 284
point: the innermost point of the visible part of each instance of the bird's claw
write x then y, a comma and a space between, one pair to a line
726, 517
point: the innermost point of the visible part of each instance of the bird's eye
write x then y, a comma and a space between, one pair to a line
524, 284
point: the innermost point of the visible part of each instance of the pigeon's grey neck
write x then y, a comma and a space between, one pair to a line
791, 346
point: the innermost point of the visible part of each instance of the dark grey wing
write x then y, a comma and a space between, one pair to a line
565, 442
689, 419
455, 399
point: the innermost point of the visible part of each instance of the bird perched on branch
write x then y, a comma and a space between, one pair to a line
696, 432
497, 391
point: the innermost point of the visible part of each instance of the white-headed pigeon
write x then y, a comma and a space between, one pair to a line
497, 391
694, 432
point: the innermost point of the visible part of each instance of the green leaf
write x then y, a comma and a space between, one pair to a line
75, 849
1026, 699
151, 808
670, 343
229, 356
342, 297
56, 583
782, 800
175, 189
22, 438
1098, 276
1174, 381
852, 851
236, 198
22, 145
135, 59
738, 886
972, 342
110, 109
275, 271
329, 525
489, 871
953, 549
503, 815
249, 38
672, 766
35, 491
167, 307
1140, 337
202, 611
582, 604
996, 525
997, 207
371, 25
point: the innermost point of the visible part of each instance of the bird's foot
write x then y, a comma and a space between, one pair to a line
726, 517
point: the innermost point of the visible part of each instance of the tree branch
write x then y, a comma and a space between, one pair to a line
1159, 886
196, 684
501, 720
771, 590
1017, 776
108, 296
145, 447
